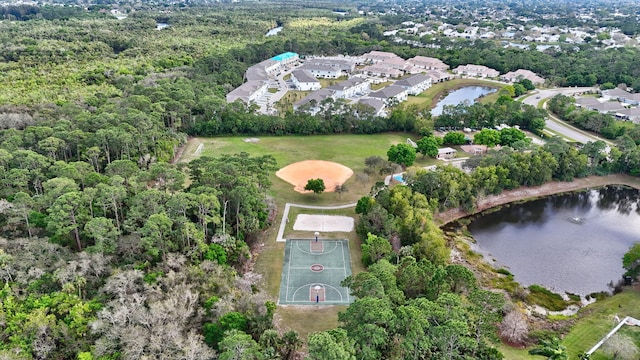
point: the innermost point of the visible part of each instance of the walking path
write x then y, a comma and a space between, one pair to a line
285, 215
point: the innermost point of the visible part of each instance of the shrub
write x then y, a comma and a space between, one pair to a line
504, 271
545, 298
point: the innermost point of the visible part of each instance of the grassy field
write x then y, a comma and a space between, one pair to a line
290, 98
598, 319
429, 97
351, 150
348, 150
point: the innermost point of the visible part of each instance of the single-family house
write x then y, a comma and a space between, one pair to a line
587, 103
607, 107
391, 94
350, 88
446, 153
622, 96
631, 114
248, 92
488, 35
474, 149
520, 74
304, 80
415, 84
427, 63
476, 71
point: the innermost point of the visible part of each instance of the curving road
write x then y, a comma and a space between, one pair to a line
558, 126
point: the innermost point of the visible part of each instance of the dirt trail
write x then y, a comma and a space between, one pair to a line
550, 188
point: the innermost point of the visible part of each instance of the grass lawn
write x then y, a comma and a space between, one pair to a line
328, 82
290, 98
375, 87
511, 353
598, 319
348, 150
429, 97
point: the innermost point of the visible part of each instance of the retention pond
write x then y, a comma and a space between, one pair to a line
568, 243
467, 94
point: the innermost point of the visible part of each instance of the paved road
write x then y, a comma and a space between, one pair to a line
558, 126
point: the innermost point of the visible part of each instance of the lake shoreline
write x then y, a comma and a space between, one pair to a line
533, 192
445, 92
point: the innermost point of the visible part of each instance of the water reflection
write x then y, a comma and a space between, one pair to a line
540, 242
467, 94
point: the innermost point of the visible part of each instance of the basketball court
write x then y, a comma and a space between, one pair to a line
312, 272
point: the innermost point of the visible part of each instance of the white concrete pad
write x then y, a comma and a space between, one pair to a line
326, 223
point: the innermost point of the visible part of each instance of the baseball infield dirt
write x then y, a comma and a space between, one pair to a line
297, 174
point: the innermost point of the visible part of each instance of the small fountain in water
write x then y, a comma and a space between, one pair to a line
577, 220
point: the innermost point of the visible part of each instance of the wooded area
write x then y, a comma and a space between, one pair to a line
110, 251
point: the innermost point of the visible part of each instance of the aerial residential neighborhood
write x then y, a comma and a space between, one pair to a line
404, 77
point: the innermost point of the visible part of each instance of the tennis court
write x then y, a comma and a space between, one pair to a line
312, 272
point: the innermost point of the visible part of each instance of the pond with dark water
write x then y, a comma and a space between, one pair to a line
467, 94
568, 243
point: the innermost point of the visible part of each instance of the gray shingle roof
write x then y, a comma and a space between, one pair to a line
347, 84
387, 92
318, 96
303, 76
413, 80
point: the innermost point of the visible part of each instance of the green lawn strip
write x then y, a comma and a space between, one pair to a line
597, 319
375, 87
527, 95
348, 150
555, 133
632, 332
308, 319
511, 353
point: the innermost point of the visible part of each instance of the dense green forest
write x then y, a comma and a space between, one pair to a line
110, 251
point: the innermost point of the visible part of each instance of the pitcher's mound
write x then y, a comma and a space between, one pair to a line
297, 174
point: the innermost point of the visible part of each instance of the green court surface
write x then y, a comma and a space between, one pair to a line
312, 272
